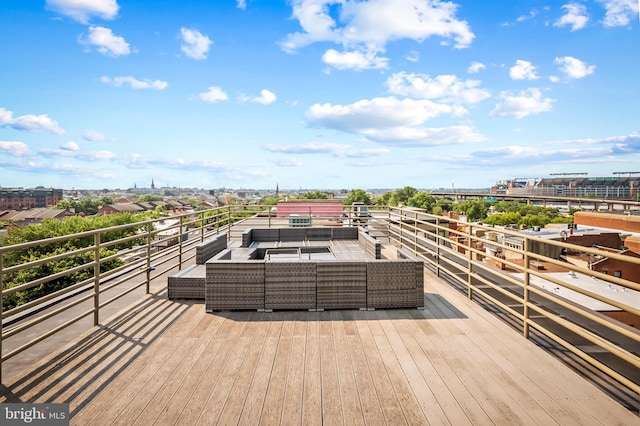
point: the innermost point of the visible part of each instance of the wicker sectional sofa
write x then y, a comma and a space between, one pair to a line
189, 283
240, 279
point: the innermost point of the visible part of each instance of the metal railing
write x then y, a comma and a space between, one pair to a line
464, 254
458, 253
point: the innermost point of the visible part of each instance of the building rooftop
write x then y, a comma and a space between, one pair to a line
160, 361
611, 291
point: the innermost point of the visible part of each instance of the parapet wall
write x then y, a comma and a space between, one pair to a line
608, 220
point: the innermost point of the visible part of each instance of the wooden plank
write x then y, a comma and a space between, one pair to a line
478, 377
170, 395
236, 398
220, 393
444, 373
272, 409
330, 387
184, 393
352, 410
128, 351
413, 379
70, 366
254, 403
439, 404
210, 377
389, 402
312, 387
294, 388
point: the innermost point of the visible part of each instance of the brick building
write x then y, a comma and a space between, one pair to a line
24, 199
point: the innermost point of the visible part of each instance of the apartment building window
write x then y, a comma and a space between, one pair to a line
618, 274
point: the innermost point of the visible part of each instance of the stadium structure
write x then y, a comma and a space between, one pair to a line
623, 186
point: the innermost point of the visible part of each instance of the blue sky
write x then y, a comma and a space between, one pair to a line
321, 94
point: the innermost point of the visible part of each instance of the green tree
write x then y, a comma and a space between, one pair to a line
269, 201
149, 197
504, 219
403, 195
474, 209
315, 195
357, 196
422, 200
54, 228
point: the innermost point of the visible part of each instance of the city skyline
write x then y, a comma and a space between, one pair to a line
315, 93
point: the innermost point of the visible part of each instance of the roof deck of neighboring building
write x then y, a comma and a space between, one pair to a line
169, 362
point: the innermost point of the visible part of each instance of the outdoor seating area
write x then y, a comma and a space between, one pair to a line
313, 268
189, 283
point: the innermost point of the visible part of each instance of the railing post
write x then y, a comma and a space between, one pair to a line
269, 216
415, 233
96, 279
469, 265
437, 233
149, 228
401, 233
180, 243
229, 223
527, 279
202, 227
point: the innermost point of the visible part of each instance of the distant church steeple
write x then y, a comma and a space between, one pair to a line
153, 185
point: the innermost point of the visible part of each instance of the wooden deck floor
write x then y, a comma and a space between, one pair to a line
164, 362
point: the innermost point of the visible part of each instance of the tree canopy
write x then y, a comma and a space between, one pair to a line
357, 196
50, 228
315, 195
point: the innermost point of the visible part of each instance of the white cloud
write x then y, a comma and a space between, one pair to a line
106, 42
93, 136
194, 44
72, 150
413, 56
377, 113
70, 146
532, 14
355, 60
101, 155
17, 149
266, 97
367, 26
83, 10
580, 151
242, 4
576, 16
574, 68
214, 94
30, 122
334, 149
135, 83
393, 121
422, 136
523, 70
447, 88
475, 67
619, 12
288, 162
527, 102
